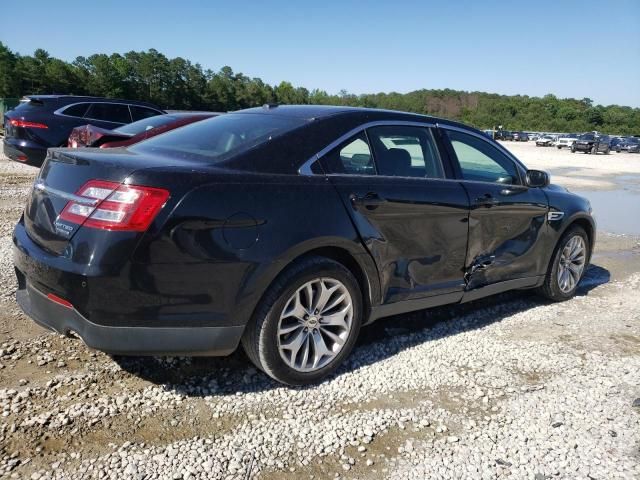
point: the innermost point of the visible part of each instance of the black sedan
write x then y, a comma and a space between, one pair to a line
285, 229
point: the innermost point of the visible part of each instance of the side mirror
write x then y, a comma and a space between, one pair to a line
537, 178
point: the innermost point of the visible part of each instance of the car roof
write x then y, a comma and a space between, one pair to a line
80, 98
323, 111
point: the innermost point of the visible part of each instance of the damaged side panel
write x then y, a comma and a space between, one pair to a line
506, 239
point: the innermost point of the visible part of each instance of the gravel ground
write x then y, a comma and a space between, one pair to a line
506, 387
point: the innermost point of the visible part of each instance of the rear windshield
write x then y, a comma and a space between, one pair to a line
28, 104
145, 124
222, 137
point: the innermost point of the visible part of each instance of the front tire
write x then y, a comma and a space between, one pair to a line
307, 323
567, 267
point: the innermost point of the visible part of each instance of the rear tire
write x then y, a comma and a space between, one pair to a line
287, 335
567, 257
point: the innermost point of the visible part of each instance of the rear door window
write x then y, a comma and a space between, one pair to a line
352, 157
109, 112
405, 151
140, 113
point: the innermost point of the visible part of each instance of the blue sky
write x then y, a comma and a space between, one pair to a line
568, 48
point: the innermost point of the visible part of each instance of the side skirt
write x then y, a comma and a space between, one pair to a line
494, 288
406, 306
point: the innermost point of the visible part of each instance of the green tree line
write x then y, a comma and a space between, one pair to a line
176, 83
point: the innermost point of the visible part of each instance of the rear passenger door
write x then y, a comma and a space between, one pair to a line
412, 221
108, 115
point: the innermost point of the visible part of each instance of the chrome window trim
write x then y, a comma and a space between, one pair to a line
128, 105
305, 168
519, 165
417, 179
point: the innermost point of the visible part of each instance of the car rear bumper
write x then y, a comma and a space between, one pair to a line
127, 340
41, 274
29, 153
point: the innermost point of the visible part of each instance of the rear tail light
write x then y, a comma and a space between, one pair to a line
112, 206
23, 123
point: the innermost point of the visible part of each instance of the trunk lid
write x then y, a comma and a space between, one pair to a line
62, 175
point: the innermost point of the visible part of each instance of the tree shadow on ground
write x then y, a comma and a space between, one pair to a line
203, 376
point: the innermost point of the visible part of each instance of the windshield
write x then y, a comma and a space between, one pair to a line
145, 124
587, 136
632, 140
221, 137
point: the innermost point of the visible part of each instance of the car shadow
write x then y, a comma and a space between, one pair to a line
204, 376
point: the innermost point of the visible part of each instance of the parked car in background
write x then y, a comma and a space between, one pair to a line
614, 142
565, 141
520, 137
629, 145
591, 143
92, 136
544, 141
285, 229
503, 135
44, 121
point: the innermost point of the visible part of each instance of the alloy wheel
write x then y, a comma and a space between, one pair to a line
315, 324
571, 263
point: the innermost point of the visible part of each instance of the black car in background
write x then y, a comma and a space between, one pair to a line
503, 135
285, 229
591, 143
520, 137
44, 121
629, 145
614, 142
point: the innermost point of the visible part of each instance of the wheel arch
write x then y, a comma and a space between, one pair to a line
589, 228
587, 225
349, 254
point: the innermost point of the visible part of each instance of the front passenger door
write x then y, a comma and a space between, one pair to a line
507, 219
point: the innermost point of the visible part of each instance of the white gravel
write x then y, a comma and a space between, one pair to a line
509, 387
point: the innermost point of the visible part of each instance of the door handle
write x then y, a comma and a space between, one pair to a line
371, 200
486, 200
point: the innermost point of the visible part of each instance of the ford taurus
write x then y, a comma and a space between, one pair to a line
285, 229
